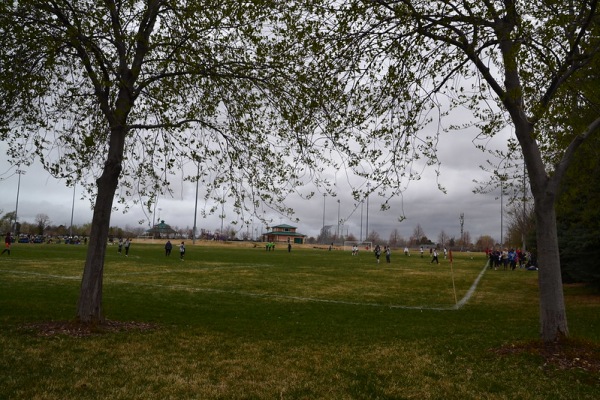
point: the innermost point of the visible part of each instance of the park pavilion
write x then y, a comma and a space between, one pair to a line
284, 234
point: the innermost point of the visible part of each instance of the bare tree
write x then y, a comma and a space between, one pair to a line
443, 238
418, 235
373, 237
396, 239
42, 221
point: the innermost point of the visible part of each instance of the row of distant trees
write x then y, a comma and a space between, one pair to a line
43, 225
418, 238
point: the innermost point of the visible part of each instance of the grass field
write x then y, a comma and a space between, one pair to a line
237, 322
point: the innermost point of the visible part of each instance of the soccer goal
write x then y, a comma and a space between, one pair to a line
349, 244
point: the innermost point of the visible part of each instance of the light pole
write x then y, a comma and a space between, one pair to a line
154, 213
72, 211
501, 214
462, 225
362, 203
19, 172
367, 228
338, 221
222, 213
196, 203
323, 229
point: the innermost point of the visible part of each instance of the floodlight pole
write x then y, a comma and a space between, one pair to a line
196, 204
323, 228
367, 228
501, 215
462, 225
72, 211
19, 172
362, 203
222, 213
338, 221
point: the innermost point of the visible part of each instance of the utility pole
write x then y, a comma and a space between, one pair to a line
462, 225
367, 229
19, 172
72, 210
323, 229
338, 221
196, 202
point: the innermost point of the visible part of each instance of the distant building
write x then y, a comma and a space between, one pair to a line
161, 230
284, 234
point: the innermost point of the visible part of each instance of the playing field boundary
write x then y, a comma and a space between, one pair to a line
459, 304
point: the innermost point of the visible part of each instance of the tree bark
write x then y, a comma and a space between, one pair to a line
89, 307
553, 315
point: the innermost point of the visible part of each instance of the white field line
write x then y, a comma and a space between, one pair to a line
461, 303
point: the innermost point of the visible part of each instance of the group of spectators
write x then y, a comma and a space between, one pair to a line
510, 259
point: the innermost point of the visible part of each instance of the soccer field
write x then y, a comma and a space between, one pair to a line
304, 274
238, 322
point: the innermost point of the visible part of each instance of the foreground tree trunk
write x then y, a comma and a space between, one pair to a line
544, 188
553, 315
89, 306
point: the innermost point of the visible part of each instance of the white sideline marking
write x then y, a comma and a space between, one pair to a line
461, 303
470, 292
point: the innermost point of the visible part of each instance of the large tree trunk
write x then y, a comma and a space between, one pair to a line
89, 307
553, 315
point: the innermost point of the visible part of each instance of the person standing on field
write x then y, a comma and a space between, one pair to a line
168, 248
127, 244
7, 244
181, 251
377, 252
434, 257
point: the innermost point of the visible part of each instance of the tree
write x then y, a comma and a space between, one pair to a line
396, 239
418, 236
578, 212
485, 242
520, 225
443, 238
510, 63
373, 237
42, 221
129, 91
325, 236
6, 221
465, 241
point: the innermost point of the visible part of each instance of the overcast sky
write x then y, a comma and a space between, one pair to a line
422, 202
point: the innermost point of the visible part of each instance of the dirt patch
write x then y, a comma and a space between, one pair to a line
78, 329
568, 354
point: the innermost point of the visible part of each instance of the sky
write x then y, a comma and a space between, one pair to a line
421, 204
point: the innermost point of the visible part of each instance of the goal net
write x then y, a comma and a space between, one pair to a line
362, 246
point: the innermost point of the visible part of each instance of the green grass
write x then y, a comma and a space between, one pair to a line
243, 323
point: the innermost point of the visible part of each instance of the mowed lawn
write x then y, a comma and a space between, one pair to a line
233, 321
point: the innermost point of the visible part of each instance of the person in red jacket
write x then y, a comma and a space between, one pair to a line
7, 244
